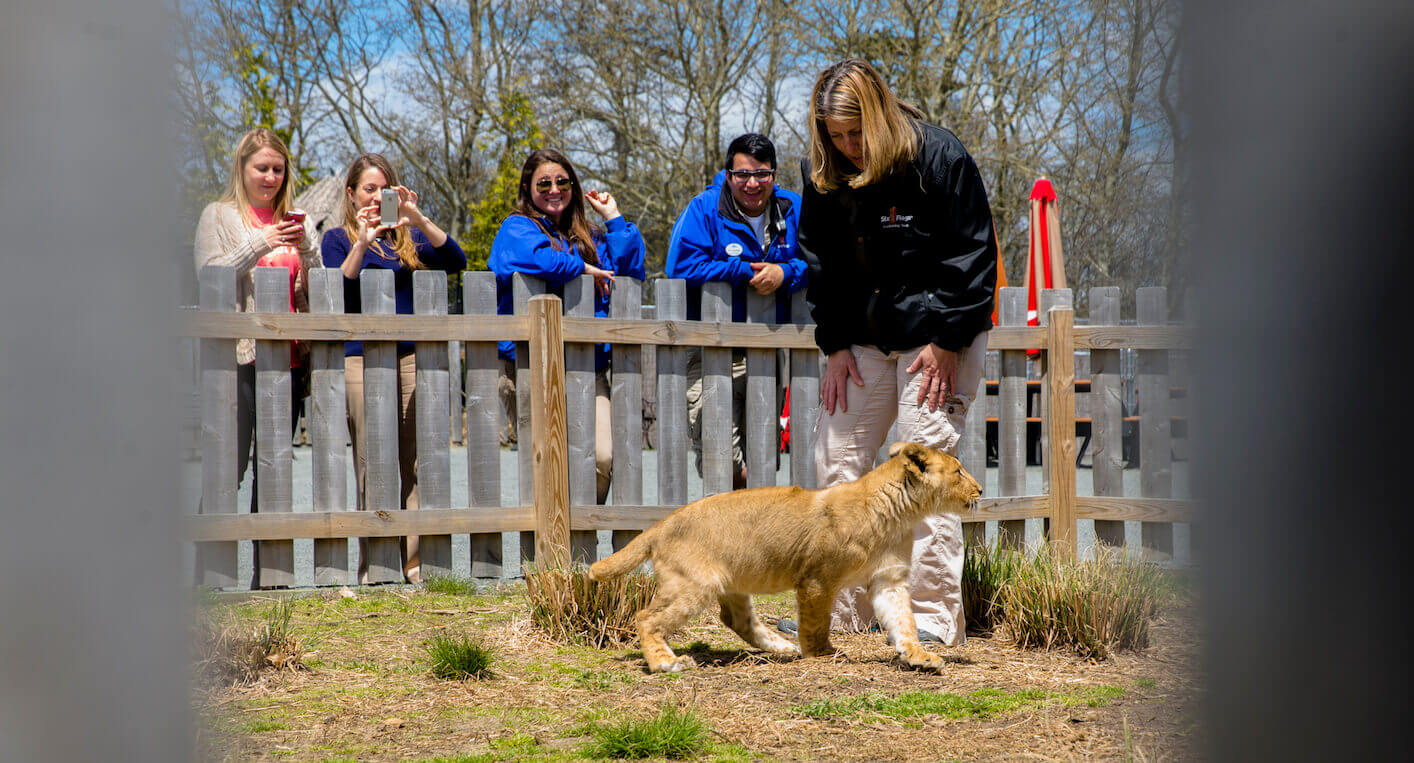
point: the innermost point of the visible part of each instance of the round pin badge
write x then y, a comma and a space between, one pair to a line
733, 249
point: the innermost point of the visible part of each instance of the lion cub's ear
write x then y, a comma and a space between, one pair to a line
916, 454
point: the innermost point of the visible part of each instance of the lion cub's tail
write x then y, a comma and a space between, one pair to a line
625, 559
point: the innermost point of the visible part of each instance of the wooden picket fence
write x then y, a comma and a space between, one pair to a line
556, 515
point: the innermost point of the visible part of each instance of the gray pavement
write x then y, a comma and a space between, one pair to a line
303, 501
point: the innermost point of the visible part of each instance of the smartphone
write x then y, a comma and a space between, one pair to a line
388, 207
296, 215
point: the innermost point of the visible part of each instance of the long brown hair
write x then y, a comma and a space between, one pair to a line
573, 223
850, 90
400, 238
235, 194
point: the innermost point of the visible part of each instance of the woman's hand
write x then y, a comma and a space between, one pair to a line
768, 277
938, 380
370, 224
839, 369
408, 212
603, 279
603, 203
283, 233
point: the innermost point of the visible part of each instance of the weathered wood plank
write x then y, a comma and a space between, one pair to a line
431, 390
328, 428
1155, 448
580, 414
1060, 386
805, 372
972, 453
1050, 298
274, 560
717, 416
627, 331
549, 440
759, 441
216, 562
1011, 415
626, 403
455, 401
380, 425
483, 424
672, 397
219, 528
1106, 415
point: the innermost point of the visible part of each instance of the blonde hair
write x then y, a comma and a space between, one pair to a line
251, 142
401, 238
852, 90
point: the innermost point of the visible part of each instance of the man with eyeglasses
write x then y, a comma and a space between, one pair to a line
741, 230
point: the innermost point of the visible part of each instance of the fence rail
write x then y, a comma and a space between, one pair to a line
555, 384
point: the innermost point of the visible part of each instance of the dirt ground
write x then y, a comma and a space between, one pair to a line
370, 696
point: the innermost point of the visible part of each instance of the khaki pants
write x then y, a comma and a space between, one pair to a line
407, 452
845, 448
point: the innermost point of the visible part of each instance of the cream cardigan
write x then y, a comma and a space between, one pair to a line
222, 238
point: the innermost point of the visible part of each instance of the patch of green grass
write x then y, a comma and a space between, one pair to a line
449, 585
983, 703
259, 725
1145, 683
459, 657
699, 646
599, 680
675, 734
732, 753
985, 572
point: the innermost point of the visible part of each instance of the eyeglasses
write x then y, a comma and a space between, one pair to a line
543, 184
761, 176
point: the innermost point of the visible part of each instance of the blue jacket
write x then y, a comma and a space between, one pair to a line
522, 246
711, 241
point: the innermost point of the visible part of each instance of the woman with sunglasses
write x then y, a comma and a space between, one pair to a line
364, 243
897, 232
550, 237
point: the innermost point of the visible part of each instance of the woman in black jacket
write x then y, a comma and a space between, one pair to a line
897, 232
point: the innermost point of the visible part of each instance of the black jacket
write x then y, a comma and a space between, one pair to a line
905, 261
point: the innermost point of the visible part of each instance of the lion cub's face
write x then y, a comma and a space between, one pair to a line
941, 474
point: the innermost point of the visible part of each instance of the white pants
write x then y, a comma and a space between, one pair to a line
846, 443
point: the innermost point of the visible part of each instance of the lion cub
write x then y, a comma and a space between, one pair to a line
769, 539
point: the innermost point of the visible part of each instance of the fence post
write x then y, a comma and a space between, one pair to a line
216, 561
1155, 448
717, 416
483, 423
432, 397
548, 436
671, 294
626, 404
804, 400
1060, 421
760, 443
273, 560
524, 287
580, 415
1011, 418
328, 427
1106, 415
1050, 298
381, 480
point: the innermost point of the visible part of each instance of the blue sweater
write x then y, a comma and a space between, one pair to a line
522, 246
711, 241
335, 246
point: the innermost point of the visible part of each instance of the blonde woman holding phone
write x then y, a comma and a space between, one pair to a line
254, 223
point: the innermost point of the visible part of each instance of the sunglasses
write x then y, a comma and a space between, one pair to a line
543, 184
745, 175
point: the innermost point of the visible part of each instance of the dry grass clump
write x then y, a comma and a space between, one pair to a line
232, 653
986, 569
570, 607
1091, 607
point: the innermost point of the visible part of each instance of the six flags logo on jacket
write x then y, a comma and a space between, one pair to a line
895, 220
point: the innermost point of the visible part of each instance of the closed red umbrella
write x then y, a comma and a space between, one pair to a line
1045, 266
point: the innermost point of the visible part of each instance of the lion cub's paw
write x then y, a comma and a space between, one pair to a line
676, 665
917, 657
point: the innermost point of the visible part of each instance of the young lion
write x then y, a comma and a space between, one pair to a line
765, 540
